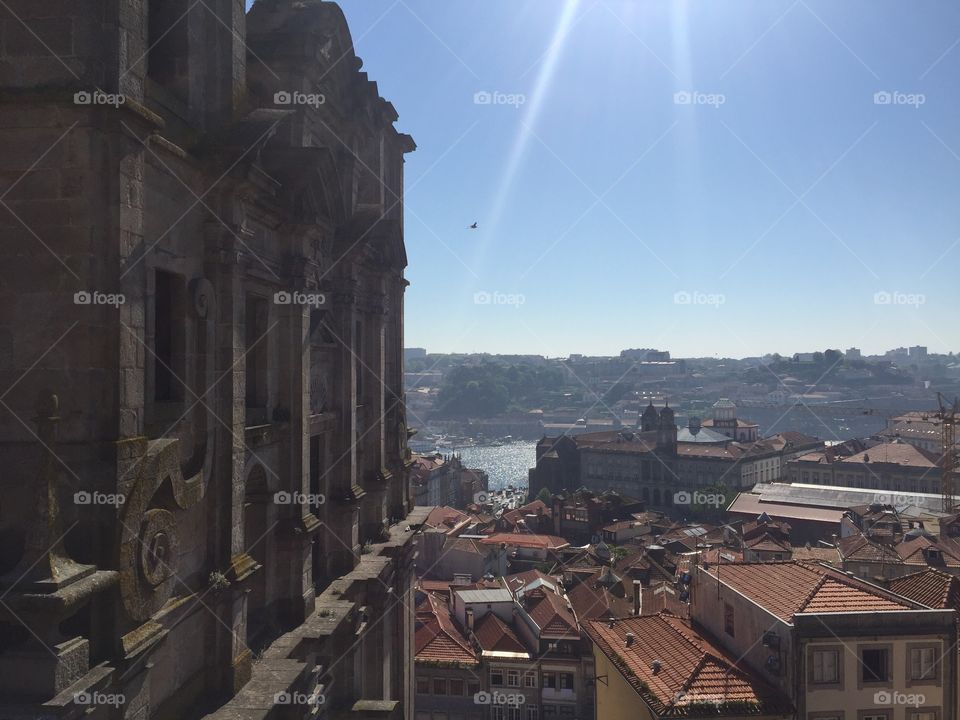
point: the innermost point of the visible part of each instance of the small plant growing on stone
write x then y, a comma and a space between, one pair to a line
218, 581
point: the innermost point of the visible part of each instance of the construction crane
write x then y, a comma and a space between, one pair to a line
947, 415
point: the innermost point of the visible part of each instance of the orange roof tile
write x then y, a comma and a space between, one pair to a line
691, 670
932, 588
791, 588
437, 639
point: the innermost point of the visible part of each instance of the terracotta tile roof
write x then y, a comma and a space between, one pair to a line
791, 588
437, 639
494, 635
518, 580
692, 670
932, 588
896, 453
591, 600
817, 554
912, 551
445, 517
663, 597
551, 542
859, 547
536, 507
551, 614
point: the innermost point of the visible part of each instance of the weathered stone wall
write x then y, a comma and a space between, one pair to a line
157, 216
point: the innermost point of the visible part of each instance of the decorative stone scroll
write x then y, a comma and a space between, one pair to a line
149, 543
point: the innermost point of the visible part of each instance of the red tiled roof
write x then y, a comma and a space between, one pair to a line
551, 614
494, 635
437, 639
791, 588
931, 587
551, 542
445, 517
692, 670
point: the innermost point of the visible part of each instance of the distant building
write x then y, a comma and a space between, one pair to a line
920, 429
853, 354
890, 467
918, 353
414, 353
725, 421
647, 354
652, 463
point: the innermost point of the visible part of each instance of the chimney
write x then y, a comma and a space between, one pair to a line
630, 637
637, 597
469, 619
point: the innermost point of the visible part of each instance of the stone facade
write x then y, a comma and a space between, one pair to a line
205, 497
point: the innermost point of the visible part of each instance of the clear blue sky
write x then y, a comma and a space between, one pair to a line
782, 207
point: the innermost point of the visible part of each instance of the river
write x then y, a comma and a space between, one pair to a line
506, 465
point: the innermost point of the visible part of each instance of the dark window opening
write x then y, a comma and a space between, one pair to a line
169, 45
256, 353
168, 343
875, 663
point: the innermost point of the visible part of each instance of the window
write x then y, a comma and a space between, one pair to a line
514, 713
497, 713
168, 337
439, 686
923, 663
473, 688
566, 681
874, 716
532, 712
550, 683
923, 715
875, 664
423, 686
456, 687
566, 711
256, 353
826, 666
530, 680
496, 677
728, 619
513, 678
549, 711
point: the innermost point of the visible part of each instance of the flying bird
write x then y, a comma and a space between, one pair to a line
474, 226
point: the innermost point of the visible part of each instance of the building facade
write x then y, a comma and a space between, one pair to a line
202, 343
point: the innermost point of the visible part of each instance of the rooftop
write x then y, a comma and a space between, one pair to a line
675, 669
792, 588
